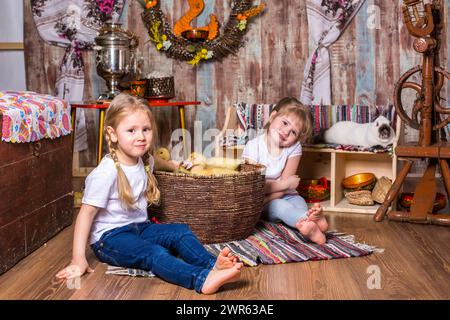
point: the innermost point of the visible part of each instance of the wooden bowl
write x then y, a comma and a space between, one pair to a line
358, 180
195, 35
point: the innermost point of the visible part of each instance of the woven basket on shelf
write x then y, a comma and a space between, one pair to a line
160, 88
217, 208
381, 189
360, 197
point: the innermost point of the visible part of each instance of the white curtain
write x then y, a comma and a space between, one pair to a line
73, 25
327, 20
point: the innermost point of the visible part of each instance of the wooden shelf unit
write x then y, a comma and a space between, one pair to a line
335, 165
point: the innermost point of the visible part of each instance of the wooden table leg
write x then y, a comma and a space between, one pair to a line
73, 116
393, 191
183, 128
100, 135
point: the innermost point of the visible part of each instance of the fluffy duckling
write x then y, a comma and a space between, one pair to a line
197, 164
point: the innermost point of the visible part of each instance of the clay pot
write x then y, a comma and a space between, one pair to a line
314, 190
406, 199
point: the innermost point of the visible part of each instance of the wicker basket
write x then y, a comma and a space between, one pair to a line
381, 189
360, 198
160, 88
217, 208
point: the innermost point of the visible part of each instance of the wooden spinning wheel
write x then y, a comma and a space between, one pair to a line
428, 115
414, 121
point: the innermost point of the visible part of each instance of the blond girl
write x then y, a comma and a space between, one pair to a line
279, 149
113, 216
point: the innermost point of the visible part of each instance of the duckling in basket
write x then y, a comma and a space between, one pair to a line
197, 164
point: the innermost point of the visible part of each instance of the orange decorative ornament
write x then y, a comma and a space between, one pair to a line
204, 43
251, 13
150, 3
195, 9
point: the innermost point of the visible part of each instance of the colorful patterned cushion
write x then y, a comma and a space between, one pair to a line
325, 116
252, 117
30, 116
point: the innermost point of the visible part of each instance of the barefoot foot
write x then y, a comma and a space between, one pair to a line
322, 224
311, 230
315, 214
225, 260
217, 278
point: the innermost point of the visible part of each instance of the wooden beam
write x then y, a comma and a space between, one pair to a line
11, 46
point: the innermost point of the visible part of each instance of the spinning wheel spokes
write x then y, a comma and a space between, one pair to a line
423, 20
413, 121
404, 84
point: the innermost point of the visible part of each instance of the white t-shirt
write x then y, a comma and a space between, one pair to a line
101, 192
256, 151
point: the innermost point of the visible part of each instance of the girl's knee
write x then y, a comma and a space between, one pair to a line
155, 256
182, 229
298, 202
276, 207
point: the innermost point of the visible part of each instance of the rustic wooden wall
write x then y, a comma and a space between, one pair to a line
366, 61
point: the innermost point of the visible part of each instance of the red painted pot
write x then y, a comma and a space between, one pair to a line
314, 190
406, 199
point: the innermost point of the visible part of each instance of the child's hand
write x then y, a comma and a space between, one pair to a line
187, 164
293, 182
194, 159
75, 269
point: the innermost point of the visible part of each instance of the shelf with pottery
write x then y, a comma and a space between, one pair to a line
336, 165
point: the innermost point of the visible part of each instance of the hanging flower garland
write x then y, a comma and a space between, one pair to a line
180, 48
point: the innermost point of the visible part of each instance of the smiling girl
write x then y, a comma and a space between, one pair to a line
280, 150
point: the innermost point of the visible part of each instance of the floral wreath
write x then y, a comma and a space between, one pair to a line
177, 47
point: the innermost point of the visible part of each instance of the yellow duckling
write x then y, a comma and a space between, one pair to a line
163, 153
197, 164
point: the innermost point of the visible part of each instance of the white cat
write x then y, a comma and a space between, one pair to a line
370, 134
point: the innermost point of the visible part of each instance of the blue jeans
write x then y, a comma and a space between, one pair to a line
289, 208
153, 247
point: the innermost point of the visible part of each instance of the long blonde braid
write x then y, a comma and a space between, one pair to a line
153, 193
123, 186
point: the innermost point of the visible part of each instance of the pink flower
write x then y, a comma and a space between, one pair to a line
65, 121
314, 58
7, 127
106, 6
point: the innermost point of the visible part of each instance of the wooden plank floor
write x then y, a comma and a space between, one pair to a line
414, 265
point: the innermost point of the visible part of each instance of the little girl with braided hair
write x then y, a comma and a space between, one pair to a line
113, 215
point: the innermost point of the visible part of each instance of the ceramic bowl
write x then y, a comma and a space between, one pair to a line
358, 180
195, 35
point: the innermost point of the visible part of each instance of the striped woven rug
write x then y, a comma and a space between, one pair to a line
274, 243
